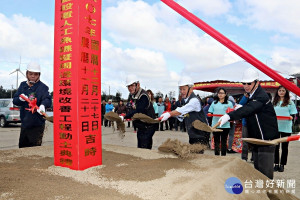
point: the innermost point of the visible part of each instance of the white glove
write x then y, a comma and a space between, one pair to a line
225, 118
180, 118
165, 116
24, 96
41, 109
122, 118
237, 106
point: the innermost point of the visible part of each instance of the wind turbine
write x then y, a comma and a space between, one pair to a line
18, 70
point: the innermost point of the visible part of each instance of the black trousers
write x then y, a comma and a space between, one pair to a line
107, 123
245, 144
221, 136
144, 137
171, 122
284, 150
263, 157
161, 126
30, 137
202, 140
102, 119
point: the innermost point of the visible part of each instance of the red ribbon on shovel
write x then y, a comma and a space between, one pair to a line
31, 103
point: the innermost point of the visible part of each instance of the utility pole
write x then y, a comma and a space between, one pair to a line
17, 86
12, 87
109, 91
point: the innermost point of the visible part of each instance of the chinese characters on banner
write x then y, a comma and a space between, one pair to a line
77, 82
279, 186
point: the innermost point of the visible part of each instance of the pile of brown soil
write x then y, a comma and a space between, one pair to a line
182, 150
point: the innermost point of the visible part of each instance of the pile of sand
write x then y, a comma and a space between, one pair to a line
182, 150
126, 173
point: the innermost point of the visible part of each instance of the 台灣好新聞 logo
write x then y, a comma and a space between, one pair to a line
233, 185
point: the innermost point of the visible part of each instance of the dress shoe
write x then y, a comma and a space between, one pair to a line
276, 168
231, 151
281, 168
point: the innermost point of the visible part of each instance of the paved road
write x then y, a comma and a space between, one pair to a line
9, 136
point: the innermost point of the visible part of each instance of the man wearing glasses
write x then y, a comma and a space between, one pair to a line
261, 121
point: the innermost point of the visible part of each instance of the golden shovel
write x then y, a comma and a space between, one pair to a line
271, 142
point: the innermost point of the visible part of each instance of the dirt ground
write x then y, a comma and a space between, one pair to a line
131, 173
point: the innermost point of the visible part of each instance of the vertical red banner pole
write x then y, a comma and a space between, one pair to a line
77, 84
232, 46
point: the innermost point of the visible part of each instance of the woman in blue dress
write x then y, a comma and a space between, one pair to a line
283, 107
219, 107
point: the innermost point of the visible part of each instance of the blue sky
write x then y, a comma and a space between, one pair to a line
148, 40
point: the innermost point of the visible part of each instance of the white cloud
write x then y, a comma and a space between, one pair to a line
136, 24
24, 37
286, 60
210, 8
149, 66
276, 15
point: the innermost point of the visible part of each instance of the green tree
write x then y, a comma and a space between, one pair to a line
158, 94
118, 96
104, 96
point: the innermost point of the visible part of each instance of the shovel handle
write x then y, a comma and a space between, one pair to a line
44, 114
286, 139
25, 98
292, 138
216, 125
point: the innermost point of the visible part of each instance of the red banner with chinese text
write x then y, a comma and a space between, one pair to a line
77, 88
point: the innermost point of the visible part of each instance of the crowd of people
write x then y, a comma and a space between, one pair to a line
255, 109
160, 106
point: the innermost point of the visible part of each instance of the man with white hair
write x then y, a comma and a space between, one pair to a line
143, 105
261, 121
189, 112
33, 124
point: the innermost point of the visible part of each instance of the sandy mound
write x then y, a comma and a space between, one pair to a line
182, 150
126, 173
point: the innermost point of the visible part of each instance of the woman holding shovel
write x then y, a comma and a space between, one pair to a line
219, 106
283, 107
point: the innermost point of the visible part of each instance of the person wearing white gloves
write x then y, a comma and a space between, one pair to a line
32, 124
261, 121
189, 112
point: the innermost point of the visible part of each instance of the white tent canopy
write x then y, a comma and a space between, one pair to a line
231, 72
